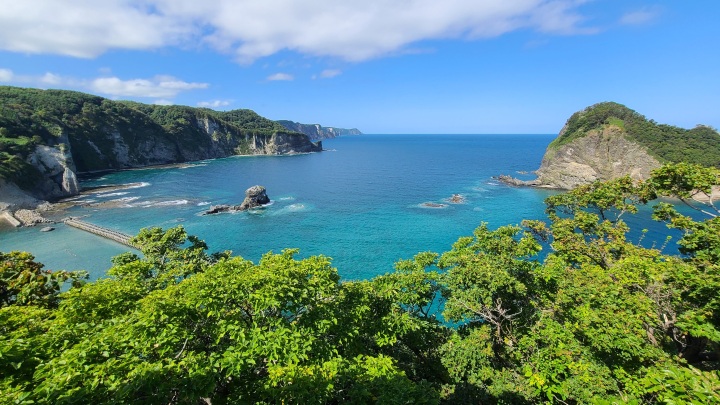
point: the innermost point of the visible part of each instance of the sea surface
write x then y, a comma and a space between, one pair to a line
360, 202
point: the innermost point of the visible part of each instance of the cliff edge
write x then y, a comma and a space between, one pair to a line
48, 137
608, 140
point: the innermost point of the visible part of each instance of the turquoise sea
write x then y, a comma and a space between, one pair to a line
360, 202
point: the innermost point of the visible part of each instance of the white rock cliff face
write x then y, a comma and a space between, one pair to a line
56, 163
600, 155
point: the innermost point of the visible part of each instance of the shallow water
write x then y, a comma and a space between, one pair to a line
361, 202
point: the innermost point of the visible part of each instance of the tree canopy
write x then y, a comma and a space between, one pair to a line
597, 319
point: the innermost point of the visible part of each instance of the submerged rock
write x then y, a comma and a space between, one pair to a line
456, 199
432, 205
216, 209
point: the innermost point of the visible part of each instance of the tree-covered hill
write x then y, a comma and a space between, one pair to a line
44, 132
665, 142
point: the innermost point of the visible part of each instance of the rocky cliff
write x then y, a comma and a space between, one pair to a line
47, 137
608, 140
318, 132
602, 154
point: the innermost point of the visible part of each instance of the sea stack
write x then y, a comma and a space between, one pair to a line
255, 196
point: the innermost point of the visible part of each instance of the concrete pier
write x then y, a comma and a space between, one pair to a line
116, 236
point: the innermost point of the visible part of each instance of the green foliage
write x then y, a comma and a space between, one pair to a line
598, 319
700, 145
97, 131
179, 326
24, 282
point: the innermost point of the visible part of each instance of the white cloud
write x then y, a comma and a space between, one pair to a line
251, 29
328, 73
642, 16
6, 75
214, 103
159, 86
86, 28
163, 102
51, 79
280, 77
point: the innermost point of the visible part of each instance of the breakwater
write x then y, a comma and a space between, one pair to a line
106, 233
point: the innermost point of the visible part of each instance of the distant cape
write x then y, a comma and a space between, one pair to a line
318, 132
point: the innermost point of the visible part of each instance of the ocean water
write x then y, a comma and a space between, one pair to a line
361, 202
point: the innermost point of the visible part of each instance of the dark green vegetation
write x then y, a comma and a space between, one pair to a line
668, 143
101, 134
599, 319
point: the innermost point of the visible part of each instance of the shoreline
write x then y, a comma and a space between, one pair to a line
14, 199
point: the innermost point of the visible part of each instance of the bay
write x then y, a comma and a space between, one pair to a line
360, 202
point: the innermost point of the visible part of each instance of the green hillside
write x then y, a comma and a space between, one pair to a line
668, 143
95, 127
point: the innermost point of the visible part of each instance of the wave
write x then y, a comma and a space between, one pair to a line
203, 203
146, 204
289, 198
296, 207
109, 194
124, 199
136, 185
193, 165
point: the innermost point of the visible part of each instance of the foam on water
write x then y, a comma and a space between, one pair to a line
360, 205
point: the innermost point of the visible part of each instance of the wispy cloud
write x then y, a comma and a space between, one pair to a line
329, 73
214, 103
159, 86
281, 77
642, 16
163, 102
249, 30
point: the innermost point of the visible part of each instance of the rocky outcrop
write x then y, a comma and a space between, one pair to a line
58, 169
600, 155
30, 217
602, 142
60, 134
255, 196
318, 132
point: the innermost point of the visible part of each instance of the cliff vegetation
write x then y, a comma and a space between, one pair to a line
667, 143
47, 136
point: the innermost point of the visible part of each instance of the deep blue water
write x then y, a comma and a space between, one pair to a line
360, 202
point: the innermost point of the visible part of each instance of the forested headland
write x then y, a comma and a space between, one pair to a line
598, 318
667, 143
47, 137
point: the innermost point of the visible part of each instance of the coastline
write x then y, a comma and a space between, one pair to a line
14, 199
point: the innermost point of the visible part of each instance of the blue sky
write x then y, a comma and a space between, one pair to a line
383, 66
